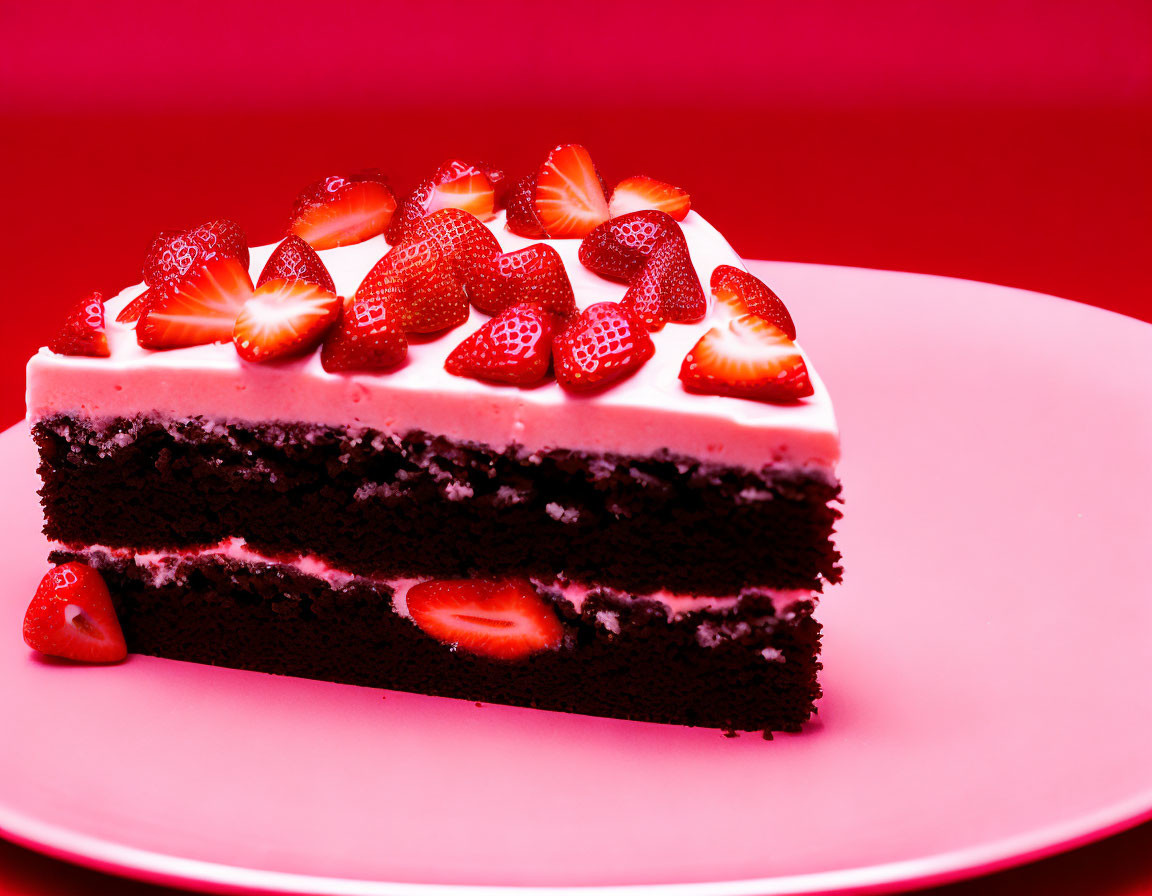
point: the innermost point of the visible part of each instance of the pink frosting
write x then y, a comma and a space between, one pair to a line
643, 415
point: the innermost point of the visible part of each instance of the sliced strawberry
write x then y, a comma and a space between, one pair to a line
570, 199
533, 274
176, 252
284, 318
132, 311
618, 248
411, 210
667, 287
501, 619
462, 185
343, 209
750, 358
468, 244
366, 336
72, 616
294, 259
515, 347
604, 344
522, 219
742, 293
430, 297
199, 309
499, 181
83, 330
635, 193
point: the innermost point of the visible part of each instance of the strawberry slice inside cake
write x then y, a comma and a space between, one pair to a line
524, 440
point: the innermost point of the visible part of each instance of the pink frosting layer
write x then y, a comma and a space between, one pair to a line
643, 415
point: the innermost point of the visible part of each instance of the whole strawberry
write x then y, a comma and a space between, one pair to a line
83, 331
618, 248
365, 337
294, 259
533, 274
602, 346
514, 347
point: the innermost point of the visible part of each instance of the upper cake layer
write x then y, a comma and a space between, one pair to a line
644, 415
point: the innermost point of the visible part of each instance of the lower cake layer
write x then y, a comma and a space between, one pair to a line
746, 662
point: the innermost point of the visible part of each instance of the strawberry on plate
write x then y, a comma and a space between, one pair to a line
72, 616
533, 274
635, 193
570, 199
667, 287
522, 219
603, 345
750, 358
199, 309
502, 619
618, 248
462, 185
83, 330
515, 347
343, 209
284, 318
366, 336
742, 293
294, 259
419, 280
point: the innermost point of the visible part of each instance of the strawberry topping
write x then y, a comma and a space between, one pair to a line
411, 210
514, 347
667, 287
72, 616
603, 345
503, 619
468, 244
522, 219
284, 318
461, 185
132, 311
635, 193
742, 293
570, 199
430, 298
199, 309
750, 358
176, 252
532, 274
618, 248
499, 181
83, 330
343, 209
366, 335
294, 259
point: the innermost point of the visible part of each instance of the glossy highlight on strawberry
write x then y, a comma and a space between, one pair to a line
72, 616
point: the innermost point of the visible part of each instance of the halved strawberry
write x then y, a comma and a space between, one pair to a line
570, 199
618, 248
430, 296
635, 193
284, 318
412, 208
72, 616
458, 184
199, 309
468, 244
604, 344
502, 619
522, 219
533, 274
294, 259
83, 330
343, 209
667, 287
132, 311
515, 347
750, 358
499, 181
176, 252
743, 293
366, 335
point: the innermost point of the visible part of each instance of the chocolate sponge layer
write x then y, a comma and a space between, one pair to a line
744, 669
420, 505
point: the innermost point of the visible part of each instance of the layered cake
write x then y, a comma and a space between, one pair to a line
532, 442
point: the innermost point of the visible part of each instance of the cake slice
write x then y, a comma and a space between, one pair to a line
588, 472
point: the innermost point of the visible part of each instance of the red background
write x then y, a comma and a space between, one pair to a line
1004, 141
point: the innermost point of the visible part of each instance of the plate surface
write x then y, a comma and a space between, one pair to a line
987, 668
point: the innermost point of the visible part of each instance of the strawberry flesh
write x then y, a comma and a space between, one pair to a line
294, 259
199, 309
499, 181
458, 184
343, 209
743, 293
366, 336
515, 347
176, 252
750, 358
602, 346
72, 616
83, 330
570, 200
502, 619
284, 318
533, 274
636, 193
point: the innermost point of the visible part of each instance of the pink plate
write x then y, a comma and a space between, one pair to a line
987, 674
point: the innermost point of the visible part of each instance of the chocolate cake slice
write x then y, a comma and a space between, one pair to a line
395, 490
